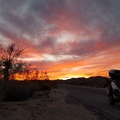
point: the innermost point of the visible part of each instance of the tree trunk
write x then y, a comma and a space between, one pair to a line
6, 74
6, 70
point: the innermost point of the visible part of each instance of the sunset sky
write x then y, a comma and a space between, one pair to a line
66, 38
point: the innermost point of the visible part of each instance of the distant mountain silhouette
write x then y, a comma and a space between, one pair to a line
97, 81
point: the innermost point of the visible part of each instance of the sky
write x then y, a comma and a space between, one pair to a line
66, 38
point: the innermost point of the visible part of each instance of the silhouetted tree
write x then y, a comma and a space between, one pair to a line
32, 74
18, 68
44, 75
9, 59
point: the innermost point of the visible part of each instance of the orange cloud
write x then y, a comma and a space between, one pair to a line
67, 39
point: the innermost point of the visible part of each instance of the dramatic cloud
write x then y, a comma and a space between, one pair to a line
68, 38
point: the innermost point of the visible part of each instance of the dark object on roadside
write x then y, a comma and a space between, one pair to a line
113, 89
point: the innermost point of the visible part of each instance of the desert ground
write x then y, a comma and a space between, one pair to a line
57, 105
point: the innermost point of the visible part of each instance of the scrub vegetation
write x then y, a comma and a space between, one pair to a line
10, 65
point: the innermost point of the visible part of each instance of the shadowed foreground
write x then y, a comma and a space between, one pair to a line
58, 105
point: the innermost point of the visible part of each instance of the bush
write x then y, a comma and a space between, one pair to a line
15, 94
22, 90
2, 90
16, 91
46, 87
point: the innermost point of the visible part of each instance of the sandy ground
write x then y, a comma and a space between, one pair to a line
57, 106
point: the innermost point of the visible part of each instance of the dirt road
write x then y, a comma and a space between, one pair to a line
96, 100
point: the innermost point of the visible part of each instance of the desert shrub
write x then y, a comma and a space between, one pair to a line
22, 90
40, 85
2, 90
17, 91
54, 84
15, 94
45, 87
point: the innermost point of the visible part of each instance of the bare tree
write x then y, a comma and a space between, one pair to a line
9, 59
32, 74
18, 68
44, 75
